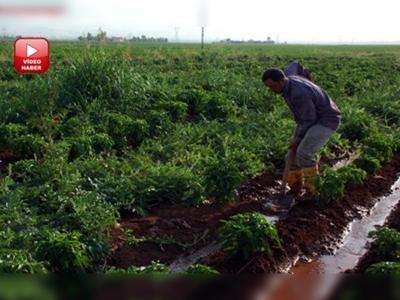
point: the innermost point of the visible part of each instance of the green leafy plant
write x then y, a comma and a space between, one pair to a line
80, 147
9, 133
65, 252
193, 96
93, 76
384, 107
101, 142
223, 179
200, 269
353, 174
76, 126
99, 97
388, 240
218, 107
368, 163
356, 124
154, 268
28, 146
124, 130
226, 172
166, 183
160, 123
161, 241
378, 146
331, 183
134, 241
386, 267
176, 109
16, 261
247, 233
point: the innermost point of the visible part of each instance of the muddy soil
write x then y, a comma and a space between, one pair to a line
309, 228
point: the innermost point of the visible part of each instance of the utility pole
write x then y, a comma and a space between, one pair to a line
176, 34
202, 37
4, 32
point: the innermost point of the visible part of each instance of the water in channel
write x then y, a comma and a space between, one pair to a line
354, 243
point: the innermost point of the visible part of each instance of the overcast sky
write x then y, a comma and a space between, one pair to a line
292, 21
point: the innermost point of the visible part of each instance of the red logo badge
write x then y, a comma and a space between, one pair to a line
31, 55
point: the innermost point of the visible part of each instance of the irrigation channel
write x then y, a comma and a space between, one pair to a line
354, 241
351, 247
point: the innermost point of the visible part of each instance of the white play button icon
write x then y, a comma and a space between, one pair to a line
30, 50
31, 55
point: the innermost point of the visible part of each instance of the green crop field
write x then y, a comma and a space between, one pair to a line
123, 126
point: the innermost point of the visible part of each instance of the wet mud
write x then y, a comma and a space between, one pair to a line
309, 230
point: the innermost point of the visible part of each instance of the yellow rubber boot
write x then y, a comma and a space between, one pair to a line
295, 181
309, 177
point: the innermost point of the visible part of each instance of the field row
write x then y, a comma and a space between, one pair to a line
113, 128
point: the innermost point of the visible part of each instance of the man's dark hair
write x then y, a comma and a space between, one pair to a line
273, 74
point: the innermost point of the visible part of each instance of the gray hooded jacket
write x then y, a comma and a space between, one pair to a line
308, 102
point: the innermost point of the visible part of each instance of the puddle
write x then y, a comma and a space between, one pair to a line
345, 162
272, 219
354, 243
183, 263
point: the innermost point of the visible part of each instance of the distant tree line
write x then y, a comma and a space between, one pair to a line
145, 39
101, 36
229, 41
